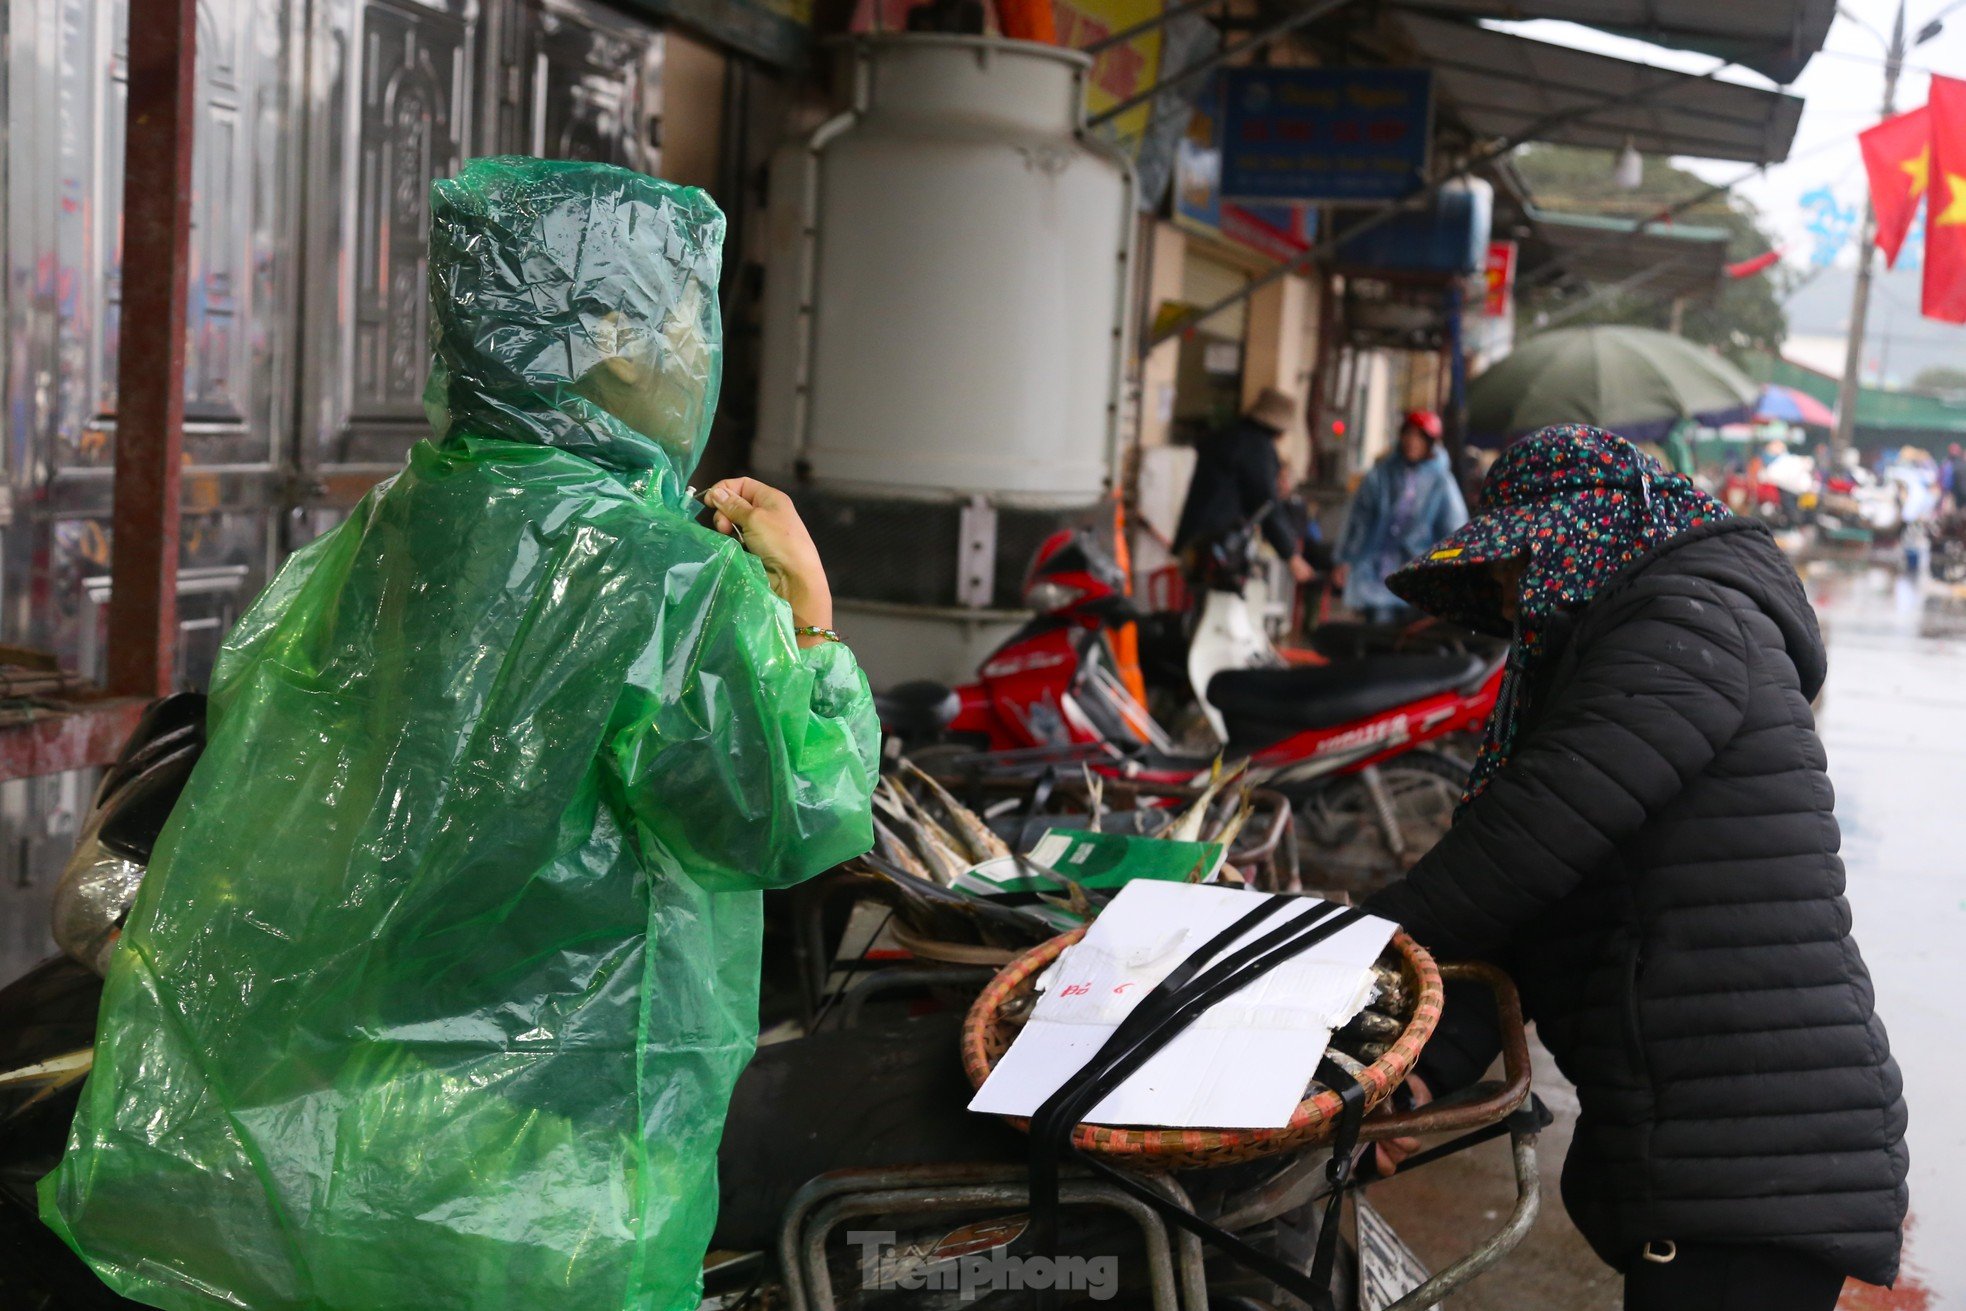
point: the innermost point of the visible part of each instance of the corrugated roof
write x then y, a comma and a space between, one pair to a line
1500, 85
1657, 259
1773, 37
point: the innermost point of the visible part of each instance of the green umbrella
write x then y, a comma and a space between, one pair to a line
1637, 382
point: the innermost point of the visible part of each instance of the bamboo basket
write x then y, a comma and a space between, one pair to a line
987, 1035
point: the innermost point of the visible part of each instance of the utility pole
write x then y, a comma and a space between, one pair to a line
1853, 354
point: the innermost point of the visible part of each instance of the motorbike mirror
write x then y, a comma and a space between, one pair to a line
917, 709
164, 727
135, 814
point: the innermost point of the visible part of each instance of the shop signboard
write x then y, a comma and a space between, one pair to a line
1499, 276
1278, 231
1121, 71
1332, 134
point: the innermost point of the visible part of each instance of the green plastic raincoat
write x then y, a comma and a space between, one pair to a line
447, 961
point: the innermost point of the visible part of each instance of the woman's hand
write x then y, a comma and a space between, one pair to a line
765, 521
1391, 1152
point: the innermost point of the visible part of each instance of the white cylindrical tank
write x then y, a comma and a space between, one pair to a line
946, 286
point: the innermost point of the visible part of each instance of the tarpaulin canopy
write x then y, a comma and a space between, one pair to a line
1500, 85
1664, 260
1773, 37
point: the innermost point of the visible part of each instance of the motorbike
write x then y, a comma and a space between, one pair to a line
1946, 549
48, 1015
1784, 494
881, 1144
1356, 744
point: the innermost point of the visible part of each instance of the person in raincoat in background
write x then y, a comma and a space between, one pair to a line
1406, 502
448, 959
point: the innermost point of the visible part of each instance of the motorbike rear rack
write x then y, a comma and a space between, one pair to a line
1176, 1276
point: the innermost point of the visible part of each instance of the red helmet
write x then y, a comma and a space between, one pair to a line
1425, 420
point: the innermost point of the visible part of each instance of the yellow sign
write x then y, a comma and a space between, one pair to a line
1169, 313
1123, 71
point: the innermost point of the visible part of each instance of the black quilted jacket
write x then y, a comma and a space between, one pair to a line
1657, 866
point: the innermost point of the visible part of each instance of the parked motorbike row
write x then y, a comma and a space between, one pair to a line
1901, 504
1368, 737
1332, 771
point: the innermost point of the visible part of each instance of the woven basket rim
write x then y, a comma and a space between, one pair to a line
1314, 1118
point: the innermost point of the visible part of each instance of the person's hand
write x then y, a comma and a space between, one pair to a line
1339, 574
1390, 1152
1301, 571
765, 521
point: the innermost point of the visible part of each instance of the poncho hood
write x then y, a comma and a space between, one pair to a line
574, 305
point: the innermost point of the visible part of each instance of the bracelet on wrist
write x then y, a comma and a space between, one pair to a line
814, 630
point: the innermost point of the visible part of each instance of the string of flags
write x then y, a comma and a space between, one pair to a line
1916, 163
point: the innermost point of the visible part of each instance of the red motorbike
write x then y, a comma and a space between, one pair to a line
1354, 743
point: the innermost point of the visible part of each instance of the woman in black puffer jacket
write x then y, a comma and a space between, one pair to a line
1648, 845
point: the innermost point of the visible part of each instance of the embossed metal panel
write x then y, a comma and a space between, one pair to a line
593, 82
396, 111
66, 77
237, 384
320, 129
409, 90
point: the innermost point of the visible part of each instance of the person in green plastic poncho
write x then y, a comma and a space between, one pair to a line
448, 959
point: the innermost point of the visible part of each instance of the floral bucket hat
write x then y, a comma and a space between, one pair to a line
1578, 504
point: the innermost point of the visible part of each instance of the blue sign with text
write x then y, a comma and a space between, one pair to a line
1281, 231
1335, 134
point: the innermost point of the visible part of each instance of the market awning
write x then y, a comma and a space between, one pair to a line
1500, 85
1665, 260
1773, 37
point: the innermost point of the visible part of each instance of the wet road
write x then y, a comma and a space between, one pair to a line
1893, 719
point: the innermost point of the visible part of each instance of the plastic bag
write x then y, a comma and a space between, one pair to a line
436, 989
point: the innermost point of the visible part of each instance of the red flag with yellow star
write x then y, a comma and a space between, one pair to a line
1898, 157
1945, 212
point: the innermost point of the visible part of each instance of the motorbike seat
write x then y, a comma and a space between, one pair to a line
1263, 705
921, 708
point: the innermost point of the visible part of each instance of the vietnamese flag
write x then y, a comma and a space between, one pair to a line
1898, 158
1945, 212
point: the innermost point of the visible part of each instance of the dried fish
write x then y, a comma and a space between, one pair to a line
1374, 1024
1232, 827
1076, 900
890, 847
933, 850
929, 824
48, 1078
1188, 827
943, 860
978, 840
1392, 995
887, 803
1095, 796
1199, 873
